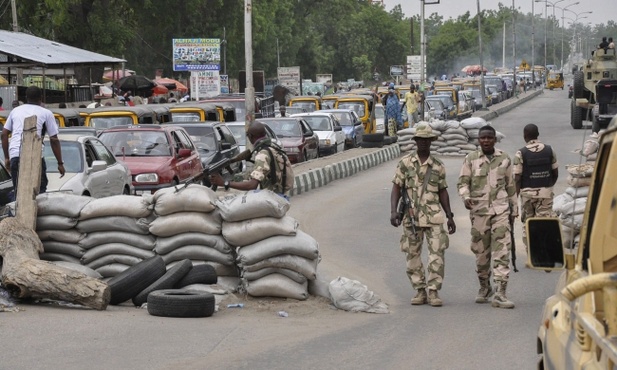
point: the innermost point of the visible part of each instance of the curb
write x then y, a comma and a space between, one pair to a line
319, 177
501, 110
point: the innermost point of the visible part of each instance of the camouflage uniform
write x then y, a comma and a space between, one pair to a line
489, 183
535, 202
409, 175
261, 169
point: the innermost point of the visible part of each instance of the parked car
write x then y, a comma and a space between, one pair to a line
448, 104
214, 142
477, 98
352, 126
494, 94
433, 108
158, 156
299, 141
91, 168
328, 129
380, 115
238, 129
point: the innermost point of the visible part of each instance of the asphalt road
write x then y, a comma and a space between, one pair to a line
349, 218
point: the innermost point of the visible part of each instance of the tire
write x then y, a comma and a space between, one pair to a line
371, 144
387, 140
199, 274
136, 278
373, 138
579, 85
595, 126
576, 119
180, 303
167, 281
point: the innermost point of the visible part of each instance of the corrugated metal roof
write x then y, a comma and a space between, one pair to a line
47, 52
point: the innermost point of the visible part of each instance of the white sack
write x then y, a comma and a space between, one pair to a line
252, 204
276, 285
198, 252
117, 205
113, 223
299, 264
351, 295
301, 244
168, 244
141, 241
185, 222
114, 248
251, 231
54, 222
192, 198
473, 122
66, 236
60, 204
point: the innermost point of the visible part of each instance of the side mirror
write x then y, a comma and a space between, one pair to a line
183, 153
338, 128
545, 243
225, 145
98, 166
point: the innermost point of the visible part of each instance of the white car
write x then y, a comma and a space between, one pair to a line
238, 129
90, 168
328, 129
380, 114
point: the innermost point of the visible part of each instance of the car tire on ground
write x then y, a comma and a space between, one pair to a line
373, 138
180, 303
199, 274
167, 281
387, 140
371, 144
576, 119
136, 278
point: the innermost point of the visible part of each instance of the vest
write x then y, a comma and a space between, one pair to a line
537, 168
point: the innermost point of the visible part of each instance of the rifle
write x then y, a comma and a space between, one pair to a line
513, 247
406, 206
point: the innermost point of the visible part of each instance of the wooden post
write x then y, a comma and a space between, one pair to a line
29, 179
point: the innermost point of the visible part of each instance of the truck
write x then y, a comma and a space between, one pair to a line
578, 329
595, 91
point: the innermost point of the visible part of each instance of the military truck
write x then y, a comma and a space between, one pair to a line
595, 91
578, 329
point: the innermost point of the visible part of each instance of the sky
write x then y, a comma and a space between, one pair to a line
603, 10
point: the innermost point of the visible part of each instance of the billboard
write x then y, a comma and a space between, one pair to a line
196, 54
205, 84
289, 77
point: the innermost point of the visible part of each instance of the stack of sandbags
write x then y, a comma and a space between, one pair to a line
473, 125
116, 231
275, 258
591, 147
404, 139
188, 226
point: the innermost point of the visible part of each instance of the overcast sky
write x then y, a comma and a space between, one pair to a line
603, 10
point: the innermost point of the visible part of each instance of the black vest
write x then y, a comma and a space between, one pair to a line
537, 168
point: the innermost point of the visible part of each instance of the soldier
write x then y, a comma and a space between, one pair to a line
423, 178
535, 172
489, 193
272, 169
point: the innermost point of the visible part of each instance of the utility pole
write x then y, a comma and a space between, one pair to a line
514, 39
533, 56
249, 91
482, 88
14, 11
225, 54
422, 44
503, 48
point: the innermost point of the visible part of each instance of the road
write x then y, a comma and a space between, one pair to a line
350, 220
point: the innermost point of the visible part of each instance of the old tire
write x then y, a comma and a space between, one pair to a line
387, 140
167, 281
370, 144
180, 303
579, 85
199, 274
373, 138
136, 278
595, 126
576, 119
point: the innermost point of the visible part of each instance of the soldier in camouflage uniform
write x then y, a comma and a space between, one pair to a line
423, 178
272, 169
489, 193
535, 172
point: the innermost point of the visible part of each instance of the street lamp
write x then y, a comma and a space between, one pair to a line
422, 38
546, 2
553, 26
562, 26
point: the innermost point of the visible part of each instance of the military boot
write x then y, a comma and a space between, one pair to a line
500, 300
433, 298
485, 291
420, 297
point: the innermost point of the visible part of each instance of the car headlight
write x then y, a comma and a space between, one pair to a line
150, 178
325, 142
290, 149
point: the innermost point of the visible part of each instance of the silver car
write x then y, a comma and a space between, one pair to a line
352, 125
91, 169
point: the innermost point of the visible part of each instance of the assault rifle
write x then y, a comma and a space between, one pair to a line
406, 206
513, 247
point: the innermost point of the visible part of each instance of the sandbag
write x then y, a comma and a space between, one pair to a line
450, 137
58, 257
580, 170
51, 246
590, 146
438, 126
473, 133
252, 204
109, 259
191, 198
185, 222
448, 149
79, 268
351, 295
452, 125
299, 264
409, 131
111, 270
118, 205
55, 222
251, 231
408, 148
293, 275
578, 182
575, 207
220, 269
228, 283
67, 236
567, 236
473, 122
573, 221
141, 241
165, 245
113, 223
457, 142
592, 157
560, 201
114, 248
300, 244
61, 204
577, 192
276, 285
467, 147
198, 252
458, 130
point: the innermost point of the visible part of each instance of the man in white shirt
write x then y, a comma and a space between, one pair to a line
14, 128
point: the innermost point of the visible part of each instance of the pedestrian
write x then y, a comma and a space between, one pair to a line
489, 193
412, 98
15, 103
535, 173
1, 104
611, 44
392, 114
14, 127
272, 169
172, 98
422, 177
603, 44
282, 109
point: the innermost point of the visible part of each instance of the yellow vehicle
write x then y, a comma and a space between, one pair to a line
106, 117
383, 91
196, 112
67, 117
327, 101
463, 110
163, 114
363, 105
309, 103
554, 80
579, 324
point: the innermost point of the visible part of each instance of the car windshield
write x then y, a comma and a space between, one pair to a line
306, 105
239, 133
318, 123
285, 128
379, 112
71, 155
186, 117
343, 118
143, 143
446, 100
107, 122
203, 137
358, 107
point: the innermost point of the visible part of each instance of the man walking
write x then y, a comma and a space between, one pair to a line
489, 193
412, 98
14, 127
420, 178
535, 172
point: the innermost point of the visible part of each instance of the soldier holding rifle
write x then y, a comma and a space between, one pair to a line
420, 184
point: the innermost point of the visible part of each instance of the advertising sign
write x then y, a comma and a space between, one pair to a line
196, 54
396, 70
325, 79
205, 84
414, 67
289, 77
224, 84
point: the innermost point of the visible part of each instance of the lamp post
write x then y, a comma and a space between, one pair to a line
423, 39
553, 25
482, 89
562, 26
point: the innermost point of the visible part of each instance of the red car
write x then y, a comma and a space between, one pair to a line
299, 141
158, 156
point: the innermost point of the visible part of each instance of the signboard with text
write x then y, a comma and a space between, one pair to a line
224, 84
414, 67
196, 54
289, 77
205, 84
